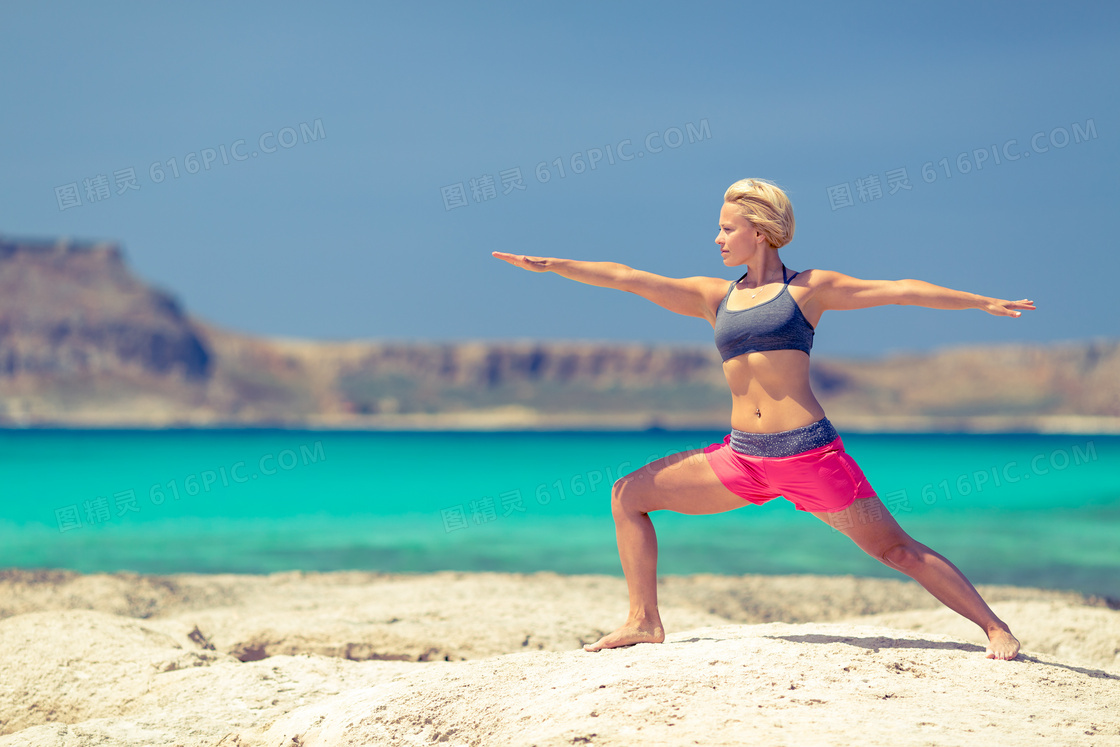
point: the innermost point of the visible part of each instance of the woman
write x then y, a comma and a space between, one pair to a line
781, 443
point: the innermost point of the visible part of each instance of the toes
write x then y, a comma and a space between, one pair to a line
1003, 654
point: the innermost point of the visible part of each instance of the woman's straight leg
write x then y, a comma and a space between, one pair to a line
877, 533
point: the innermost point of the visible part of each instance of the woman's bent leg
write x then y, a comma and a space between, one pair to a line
684, 483
876, 532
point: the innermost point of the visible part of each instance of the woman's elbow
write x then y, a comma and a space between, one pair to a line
906, 292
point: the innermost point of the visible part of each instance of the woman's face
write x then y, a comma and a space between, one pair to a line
738, 239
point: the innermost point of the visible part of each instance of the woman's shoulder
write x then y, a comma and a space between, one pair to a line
812, 284
815, 277
711, 285
714, 289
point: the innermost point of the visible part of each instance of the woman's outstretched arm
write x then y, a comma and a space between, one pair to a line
834, 290
688, 296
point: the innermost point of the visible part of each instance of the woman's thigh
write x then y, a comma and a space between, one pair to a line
684, 482
869, 524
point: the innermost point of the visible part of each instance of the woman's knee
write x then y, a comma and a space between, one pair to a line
902, 555
626, 494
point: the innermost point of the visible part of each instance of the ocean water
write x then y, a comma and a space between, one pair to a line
1020, 509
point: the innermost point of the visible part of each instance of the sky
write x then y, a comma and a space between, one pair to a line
343, 170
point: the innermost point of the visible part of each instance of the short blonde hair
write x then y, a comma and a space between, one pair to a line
766, 206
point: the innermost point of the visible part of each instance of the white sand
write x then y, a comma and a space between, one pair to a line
491, 659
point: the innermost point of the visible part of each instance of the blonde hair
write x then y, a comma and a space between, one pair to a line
766, 206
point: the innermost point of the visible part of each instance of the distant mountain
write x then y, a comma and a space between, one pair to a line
83, 342
72, 308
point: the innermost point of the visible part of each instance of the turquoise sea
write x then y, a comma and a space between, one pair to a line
1020, 509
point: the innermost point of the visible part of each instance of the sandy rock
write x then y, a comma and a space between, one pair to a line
120, 660
763, 684
812, 598
74, 665
90, 678
107, 732
145, 596
202, 706
448, 615
1076, 634
443, 616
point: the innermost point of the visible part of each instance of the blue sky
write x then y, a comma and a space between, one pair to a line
356, 121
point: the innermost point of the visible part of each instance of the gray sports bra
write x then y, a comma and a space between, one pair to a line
777, 324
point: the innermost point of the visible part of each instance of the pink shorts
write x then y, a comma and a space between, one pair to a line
820, 479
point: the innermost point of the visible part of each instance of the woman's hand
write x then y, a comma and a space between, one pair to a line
834, 290
696, 296
533, 264
999, 307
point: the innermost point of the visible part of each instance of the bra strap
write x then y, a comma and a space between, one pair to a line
784, 278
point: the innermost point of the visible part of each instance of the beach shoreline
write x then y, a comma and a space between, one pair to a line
516, 419
137, 659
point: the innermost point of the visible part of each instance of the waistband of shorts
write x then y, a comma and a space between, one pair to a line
784, 443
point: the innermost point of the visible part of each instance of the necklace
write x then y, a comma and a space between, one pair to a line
759, 288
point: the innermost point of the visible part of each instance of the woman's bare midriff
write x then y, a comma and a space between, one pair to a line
774, 383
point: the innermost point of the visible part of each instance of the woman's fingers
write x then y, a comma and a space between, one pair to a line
536, 264
1011, 308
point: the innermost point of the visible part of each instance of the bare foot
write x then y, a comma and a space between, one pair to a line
1001, 644
629, 634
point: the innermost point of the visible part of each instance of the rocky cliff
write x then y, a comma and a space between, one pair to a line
69, 309
85, 343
